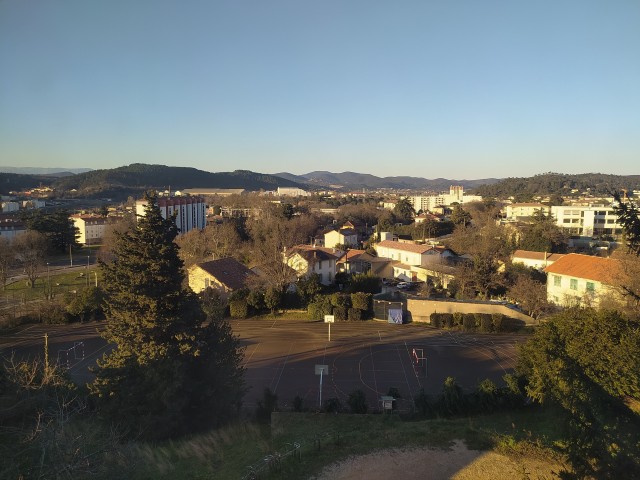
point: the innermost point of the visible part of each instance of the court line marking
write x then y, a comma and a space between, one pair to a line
275, 389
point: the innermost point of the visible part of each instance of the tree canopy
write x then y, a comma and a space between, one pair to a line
170, 373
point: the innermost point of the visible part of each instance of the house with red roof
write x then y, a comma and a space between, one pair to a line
577, 279
537, 260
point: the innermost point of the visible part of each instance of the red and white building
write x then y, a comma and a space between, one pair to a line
189, 211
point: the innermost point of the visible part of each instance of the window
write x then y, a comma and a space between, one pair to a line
573, 284
591, 287
556, 280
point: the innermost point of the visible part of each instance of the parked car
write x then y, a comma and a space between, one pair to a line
404, 285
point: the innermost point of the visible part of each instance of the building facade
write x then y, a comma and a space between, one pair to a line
587, 221
190, 212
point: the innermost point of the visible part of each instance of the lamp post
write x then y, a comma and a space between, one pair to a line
96, 275
88, 270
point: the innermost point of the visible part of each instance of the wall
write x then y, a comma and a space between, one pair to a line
420, 310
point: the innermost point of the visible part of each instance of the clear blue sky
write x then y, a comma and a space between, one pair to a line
457, 89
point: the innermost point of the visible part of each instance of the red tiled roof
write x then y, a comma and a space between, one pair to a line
405, 247
603, 270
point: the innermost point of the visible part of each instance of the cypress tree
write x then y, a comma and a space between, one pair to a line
171, 372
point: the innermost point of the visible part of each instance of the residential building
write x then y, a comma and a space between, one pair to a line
11, 227
577, 279
431, 202
406, 253
225, 274
291, 192
307, 260
587, 221
355, 261
91, 228
537, 260
189, 211
223, 192
342, 237
524, 211
8, 207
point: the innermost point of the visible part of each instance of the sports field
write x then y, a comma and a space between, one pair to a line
284, 355
373, 356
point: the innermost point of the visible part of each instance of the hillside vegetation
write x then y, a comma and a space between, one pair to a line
560, 184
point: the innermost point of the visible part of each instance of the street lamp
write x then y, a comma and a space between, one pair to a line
96, 275
87, 270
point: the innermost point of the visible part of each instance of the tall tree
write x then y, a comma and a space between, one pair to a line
56, 226
587, 362
30, 250
459, 216
170, 373
7, 258
543, 235
404, 211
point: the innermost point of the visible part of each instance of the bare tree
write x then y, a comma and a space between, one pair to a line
7, 258
531, 295
30, 249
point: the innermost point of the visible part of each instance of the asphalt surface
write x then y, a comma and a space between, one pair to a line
282, 355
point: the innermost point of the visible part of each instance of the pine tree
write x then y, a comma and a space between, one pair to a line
170, 372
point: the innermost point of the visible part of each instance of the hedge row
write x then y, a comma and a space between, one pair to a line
472, 322
354, 307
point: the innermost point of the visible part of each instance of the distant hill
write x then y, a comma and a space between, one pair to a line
53, 171
559, 184
355, 181
134, 179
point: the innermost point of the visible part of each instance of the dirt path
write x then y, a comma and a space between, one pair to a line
458, 463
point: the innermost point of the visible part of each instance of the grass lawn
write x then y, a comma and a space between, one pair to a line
327, 438
62, 282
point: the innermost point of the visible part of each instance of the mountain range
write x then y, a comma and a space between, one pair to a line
134, 179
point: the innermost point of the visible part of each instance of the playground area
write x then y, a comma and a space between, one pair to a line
297, 358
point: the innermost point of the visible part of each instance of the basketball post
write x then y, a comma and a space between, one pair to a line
321, 370
329, 319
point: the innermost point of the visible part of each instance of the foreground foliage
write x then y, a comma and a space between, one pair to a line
170, 373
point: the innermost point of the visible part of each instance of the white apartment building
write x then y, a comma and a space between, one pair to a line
517, 211
8, 207
291, 192
455, 195
91, 228
587, 221
190, 212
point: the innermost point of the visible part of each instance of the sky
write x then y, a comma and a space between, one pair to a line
461, 89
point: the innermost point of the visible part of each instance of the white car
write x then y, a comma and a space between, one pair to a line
404, 285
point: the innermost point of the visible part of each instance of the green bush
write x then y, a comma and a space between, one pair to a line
53, 313
486, 323
358, 402
457, 319
354, 315
469, 322
497, 320
447, 320
339, 300
340, 314
298, 404
268, 404
365, 282
319, 307
361, 301
255, 299
239, 308
332, 405
436, 320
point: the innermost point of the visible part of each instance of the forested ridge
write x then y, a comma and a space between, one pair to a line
560, 184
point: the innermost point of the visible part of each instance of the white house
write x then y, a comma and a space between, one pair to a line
307, 260
537, 260
225, 274
577, 279
406, 253
10, 228
343, 236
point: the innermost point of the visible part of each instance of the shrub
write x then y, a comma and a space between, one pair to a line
361, 301
486, 395
423, 403
268, 404
339, 300
451, 400
358, 402
332, 405
319, 307
273, 298
447, 320
486, 323
340, 313
497, 320
298, 404
365, 282
457, 319
53, 313
239, 308
354, 315
255, 299
469, 322
435, 320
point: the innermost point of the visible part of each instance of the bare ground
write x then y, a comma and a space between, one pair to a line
457, 463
